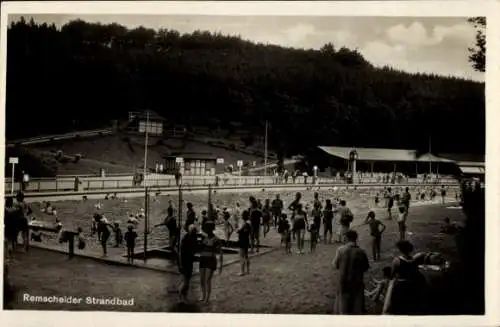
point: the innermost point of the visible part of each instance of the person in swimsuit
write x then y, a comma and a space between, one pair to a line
189, 245
244, 244
237, 216
24, 211
377, 228
130, 237
317, 201
103, 230
255, 220
328, 222
228, 227
266, 216
11, 215
210, 247
390, 203
277, 208
190, 216
402, 223
293, 208
317, 214
300, 226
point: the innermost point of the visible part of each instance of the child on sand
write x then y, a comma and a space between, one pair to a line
118, 234
130, 237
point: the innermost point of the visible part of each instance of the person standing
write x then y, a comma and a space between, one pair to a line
346, 218
244, 245
174, 232
390, 203
300, 226
24, 211
293, 208
11, 215
328, 222
443, 194
190, 216
189, 245
376, 233
402, 223
228, 227
237, 216
103, 230
352, 263
210, 247
406, 199
130, 237
266, 216
277, 208
256, 221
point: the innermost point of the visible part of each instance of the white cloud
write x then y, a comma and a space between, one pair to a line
416, 35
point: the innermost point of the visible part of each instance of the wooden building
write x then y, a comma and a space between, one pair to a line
138, 122
192, 165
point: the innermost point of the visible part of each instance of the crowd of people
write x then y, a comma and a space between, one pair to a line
321, 221
293, 222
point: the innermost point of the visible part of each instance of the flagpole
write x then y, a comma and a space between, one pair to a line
430, 155
265, 153
146, 195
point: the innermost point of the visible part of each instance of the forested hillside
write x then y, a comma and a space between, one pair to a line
84, 75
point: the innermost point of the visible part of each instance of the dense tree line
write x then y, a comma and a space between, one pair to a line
84, 75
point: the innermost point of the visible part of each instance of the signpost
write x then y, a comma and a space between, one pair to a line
13, 161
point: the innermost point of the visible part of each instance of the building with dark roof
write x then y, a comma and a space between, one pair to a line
139, 121
333, 159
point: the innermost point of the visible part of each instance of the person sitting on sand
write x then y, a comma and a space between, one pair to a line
81, 239
36, 235
378, 293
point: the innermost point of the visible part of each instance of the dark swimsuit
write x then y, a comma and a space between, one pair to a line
207, 254
300, 222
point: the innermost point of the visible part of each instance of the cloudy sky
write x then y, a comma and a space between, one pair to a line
413, 44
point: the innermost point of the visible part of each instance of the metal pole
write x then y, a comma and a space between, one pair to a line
209, 209
146, 195
12, 180
180, 219
265, 153
146, 147
146, 225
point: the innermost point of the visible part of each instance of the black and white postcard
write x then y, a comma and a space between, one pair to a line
278, 162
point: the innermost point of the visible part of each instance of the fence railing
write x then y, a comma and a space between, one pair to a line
127, 182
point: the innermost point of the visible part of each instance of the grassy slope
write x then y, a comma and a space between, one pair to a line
120, 154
